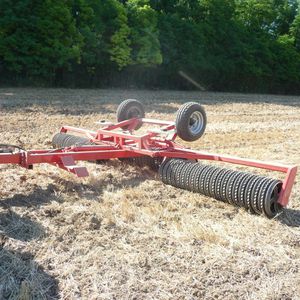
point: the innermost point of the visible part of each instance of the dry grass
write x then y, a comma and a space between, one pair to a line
122, 234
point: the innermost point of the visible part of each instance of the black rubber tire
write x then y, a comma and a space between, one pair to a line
162, 170
168, 172
178, 173
248, 192
224, 183
207, 180
218, 190
236, 187
171, 171
262, 193
202, 183
184, 173
229, 187
195, 179
168, 169
255, 193
190, 177
242, 192
183, 121
128, 109
172, 179
269, 199
213, 181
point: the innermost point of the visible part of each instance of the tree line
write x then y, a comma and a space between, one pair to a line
225, 45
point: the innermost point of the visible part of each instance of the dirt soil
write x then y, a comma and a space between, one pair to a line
121, 233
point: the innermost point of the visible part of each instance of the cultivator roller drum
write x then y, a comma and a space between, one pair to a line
63, 140
142, 161
256, 193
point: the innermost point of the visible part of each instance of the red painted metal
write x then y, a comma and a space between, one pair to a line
112, 141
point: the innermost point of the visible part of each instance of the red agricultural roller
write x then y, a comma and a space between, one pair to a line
156, 147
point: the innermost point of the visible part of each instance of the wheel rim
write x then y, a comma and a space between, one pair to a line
134, 113
196, 122
271, 205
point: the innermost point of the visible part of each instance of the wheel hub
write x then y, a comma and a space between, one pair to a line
196, 122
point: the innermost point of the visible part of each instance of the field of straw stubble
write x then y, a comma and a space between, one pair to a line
121, 233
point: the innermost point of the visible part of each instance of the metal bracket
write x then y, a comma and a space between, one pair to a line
68, 164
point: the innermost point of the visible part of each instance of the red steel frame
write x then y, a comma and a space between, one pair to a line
111, 142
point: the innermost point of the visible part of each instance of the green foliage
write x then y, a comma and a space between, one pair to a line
295, 31
89, 29
37, 38
103, 26
120, 43
271, 16
144, 33
238, 45
287, 60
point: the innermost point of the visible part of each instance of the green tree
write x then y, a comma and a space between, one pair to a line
247, 45
268, 42
295, 31
37, 37
271, 16
200, 37
103, 26
144, 33
120, 50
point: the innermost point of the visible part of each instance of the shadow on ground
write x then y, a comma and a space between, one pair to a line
22, 278
290, 217
19, 228
37, 198
95, 188
89, 190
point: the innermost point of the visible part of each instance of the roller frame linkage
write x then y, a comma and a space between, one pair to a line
113, 142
